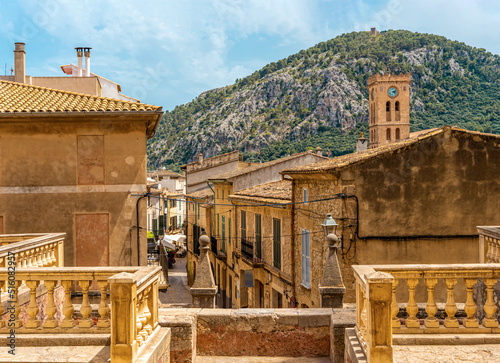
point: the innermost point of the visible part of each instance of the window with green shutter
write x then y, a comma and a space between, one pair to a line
223, 233
258, 236
155, 227
229, 227
277, 243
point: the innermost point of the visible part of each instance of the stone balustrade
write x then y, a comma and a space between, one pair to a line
489, 236
378, 312
132, 318
33, 250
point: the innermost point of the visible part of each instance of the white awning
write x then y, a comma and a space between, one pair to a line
168, 245
179, 238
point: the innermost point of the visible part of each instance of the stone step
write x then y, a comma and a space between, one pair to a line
254, 359
57, 354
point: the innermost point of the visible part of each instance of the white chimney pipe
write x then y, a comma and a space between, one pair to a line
87, 62
79, 54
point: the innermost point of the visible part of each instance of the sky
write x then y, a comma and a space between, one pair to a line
167, 52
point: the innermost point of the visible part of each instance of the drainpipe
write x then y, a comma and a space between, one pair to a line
139, 227
292, 234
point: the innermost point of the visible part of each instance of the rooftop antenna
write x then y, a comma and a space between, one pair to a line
11, 71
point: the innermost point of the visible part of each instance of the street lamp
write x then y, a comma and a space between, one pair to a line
329, 225
331, 288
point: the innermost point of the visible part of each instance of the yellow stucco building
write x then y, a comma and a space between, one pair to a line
75, 163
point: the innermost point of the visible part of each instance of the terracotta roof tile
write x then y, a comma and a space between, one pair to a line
278, 192
20, 97
358, 157
201, 194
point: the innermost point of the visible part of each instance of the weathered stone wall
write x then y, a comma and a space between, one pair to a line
249, 332
47, 177
419, 205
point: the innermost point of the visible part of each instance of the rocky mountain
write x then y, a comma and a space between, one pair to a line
318, 97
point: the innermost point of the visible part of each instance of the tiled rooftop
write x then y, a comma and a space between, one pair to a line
278, 192
361, 156
19, 97
201, 194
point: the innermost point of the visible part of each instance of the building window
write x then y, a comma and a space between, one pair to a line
229, 230
388, 134
223, 233
277, 243
388, 110
258, 236
305, 195
222, 194
396, 106
218, 234
398, 136
217, 193
306, 258
243, 224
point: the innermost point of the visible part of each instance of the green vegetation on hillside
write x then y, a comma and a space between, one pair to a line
452, 84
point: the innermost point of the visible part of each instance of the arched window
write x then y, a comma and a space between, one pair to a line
388, 133
388, 110
398, 136
397, 106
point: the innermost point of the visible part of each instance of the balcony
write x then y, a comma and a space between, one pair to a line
247, 249
40, 300
490, 236
381, 319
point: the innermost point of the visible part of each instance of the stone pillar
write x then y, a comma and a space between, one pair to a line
379, 337
332, 288
203, 290
123, 296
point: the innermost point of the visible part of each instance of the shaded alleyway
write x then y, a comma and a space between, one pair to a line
177, 295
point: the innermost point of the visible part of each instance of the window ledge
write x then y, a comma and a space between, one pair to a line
305, 286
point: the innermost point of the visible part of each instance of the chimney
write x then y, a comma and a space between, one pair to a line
87, 61
361, 143
200, 157
20, 63
79, 54
319, 151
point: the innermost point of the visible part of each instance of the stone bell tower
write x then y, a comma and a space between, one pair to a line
389, 108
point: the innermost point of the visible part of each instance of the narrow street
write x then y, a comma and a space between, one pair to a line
177, 295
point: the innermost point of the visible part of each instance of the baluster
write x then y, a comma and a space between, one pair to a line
39, 261
50, 259
450, 307
51, 308
489, 307
85, 309
431, 307
17, 304
497, 254
43, 251
143, 318
19, 259
32, 259
412, 307
25, 259
68, 308
394, 306
53, 254
139, 338
103, 321
147, 313
33, 306
47, 255
470, 306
